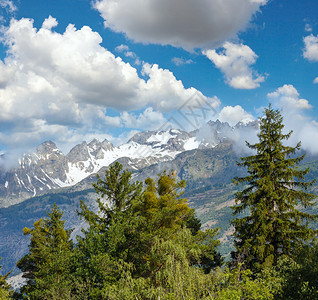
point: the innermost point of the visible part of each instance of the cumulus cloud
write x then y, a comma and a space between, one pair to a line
235, 62
311, 47
310, 51
234, 115
287, 97
164, 92
54, 85
178, 23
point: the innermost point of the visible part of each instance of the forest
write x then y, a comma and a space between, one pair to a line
145, 242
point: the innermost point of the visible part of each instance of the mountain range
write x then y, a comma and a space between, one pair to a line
48, 168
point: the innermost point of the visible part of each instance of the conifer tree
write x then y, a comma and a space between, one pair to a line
116, 193
47, 264
274, 189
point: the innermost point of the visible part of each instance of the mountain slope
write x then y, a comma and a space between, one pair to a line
48, 168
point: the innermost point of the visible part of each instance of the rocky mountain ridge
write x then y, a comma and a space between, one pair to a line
49, 169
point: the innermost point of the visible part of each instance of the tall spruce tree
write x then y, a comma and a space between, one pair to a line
274, 189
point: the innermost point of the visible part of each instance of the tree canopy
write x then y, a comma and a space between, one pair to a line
138, 231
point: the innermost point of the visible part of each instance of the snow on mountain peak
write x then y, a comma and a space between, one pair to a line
48, 168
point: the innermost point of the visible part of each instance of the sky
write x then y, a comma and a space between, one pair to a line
74, 70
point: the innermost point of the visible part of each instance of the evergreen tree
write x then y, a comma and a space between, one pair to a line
5, 292
47, 264
274, 189
116, 194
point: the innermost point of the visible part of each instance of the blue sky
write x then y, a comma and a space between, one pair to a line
73, 70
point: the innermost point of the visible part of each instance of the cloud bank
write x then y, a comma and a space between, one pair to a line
59, 86
180, 23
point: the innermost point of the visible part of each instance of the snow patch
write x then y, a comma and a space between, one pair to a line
191, 144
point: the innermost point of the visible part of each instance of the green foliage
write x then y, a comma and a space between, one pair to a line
47, 264
275, 188
300, 274
14, 218
119, 192
5, 292
242, 284
161, 204
147, 243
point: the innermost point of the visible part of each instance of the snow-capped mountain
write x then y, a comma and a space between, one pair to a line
48, 168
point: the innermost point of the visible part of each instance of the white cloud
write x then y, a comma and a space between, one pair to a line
287, 97
178, 23
49, 23
125, 50
9, 5
164, 92
72, 66
235, 61
122, 48
55, 83
233, 115
147, 120
294, 109
179, 61
316, 80
311, 47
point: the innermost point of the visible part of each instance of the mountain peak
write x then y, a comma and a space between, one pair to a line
94, 144
47, 148
107, 145
79, 152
